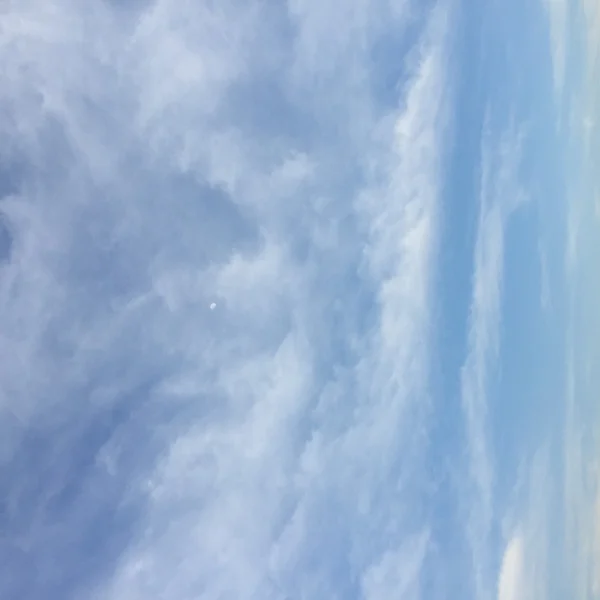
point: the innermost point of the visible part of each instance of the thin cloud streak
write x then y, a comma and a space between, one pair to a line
500, 196
558, 19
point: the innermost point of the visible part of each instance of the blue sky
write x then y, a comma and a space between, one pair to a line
289, 300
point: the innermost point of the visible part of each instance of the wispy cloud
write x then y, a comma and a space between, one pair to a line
500, 195
532, 534
558, 20
215, 306
510, 585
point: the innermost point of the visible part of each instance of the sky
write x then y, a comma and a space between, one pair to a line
298, 300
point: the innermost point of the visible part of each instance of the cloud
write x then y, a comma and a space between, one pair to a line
500, 196
165, 161
595, 567
558, 17
532, 533
387, 577
283, 490
511, 572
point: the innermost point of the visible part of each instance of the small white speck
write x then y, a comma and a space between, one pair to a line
213, 306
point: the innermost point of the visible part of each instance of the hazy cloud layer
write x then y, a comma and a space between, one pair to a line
222, 225
221, 236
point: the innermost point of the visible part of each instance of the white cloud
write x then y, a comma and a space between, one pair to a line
270, 448
510, 584
531, 531
276, 497
500, 195
595, 554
